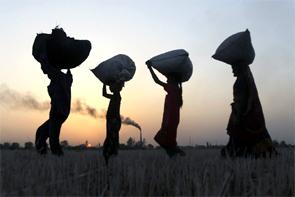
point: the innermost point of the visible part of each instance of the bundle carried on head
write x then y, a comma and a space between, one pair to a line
119, 68
62, 51
176, 62
236, 49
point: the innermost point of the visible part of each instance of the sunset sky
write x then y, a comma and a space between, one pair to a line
142, 29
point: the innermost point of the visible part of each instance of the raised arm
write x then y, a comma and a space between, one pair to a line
156, 79
104, 92
48, 69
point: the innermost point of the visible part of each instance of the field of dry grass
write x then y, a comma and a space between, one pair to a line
145, 173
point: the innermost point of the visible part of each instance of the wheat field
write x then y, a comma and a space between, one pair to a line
145, 173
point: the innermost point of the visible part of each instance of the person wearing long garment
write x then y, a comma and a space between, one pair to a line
246, 127
59, 91
113, 120
166, 136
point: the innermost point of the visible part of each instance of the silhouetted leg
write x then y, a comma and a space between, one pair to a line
54, 132
160, 138
111, 143
230, 147
107, 145
116, 125
114, 144
179, 151
41, 136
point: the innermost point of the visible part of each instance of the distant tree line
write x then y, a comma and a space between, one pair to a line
131, 143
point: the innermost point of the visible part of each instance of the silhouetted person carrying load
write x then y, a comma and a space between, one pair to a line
246, 126
176, 74
56, 51
166, 136
111, 143
114, 72
59, 91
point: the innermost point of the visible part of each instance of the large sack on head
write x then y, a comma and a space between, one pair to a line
40, 45
174, 62
62, 51
118, 68
236, 49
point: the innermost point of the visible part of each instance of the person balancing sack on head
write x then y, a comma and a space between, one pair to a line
114, 72
177, 67
246, 127
54, 52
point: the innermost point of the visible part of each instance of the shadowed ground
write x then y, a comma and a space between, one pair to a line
145, 172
